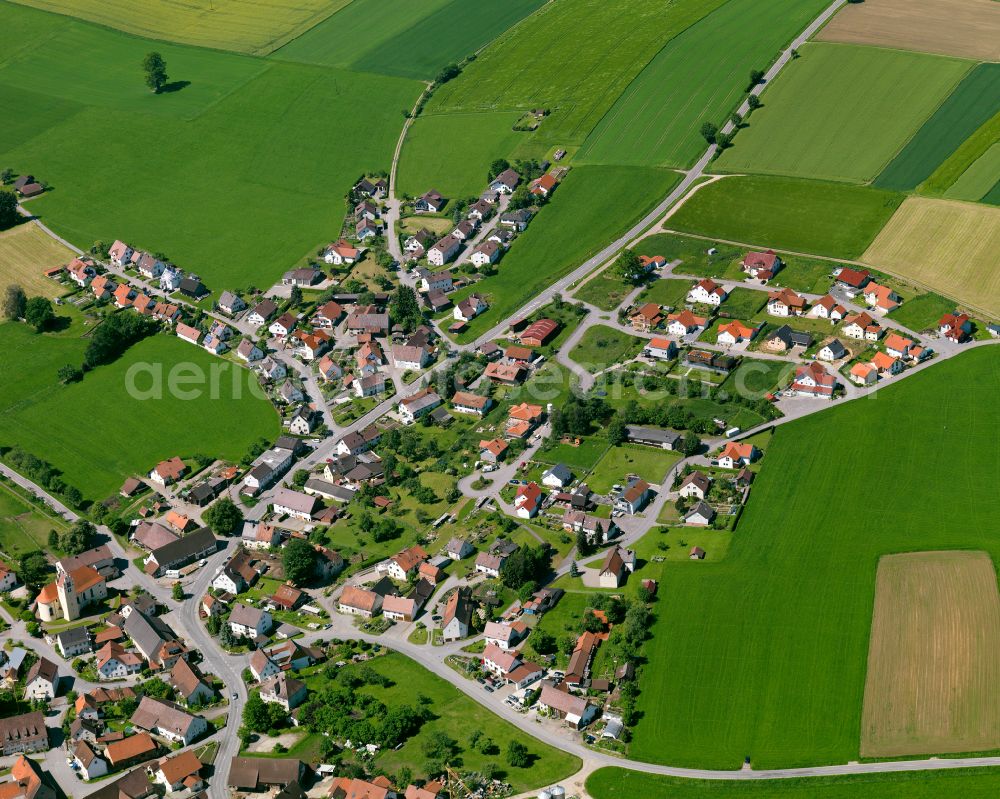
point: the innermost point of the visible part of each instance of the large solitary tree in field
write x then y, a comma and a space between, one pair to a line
8, 209
628, 267
38, 313
154, 69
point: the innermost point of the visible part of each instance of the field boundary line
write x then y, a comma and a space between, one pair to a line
920, 127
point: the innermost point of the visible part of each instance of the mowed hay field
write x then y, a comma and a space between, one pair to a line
965, 28
242, 25
841, 112
26, 252
405, 38
973, 103
948, 246
655, 122
574, 57
235, 176
764, 653
981, 783
933, 670
809, 216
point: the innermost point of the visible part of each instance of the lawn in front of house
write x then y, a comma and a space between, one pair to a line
601, 347
743, 303
578, 457
650, 463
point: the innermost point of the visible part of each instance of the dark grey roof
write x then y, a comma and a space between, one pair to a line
73, 636
562, 471
187, 547
784, 333
149, 633
837, 348
637, 432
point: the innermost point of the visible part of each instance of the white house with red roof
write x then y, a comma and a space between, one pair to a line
813, 380
827, 307
119, 253
761, 265
853, 279
735, 332
862, 326
785, 302
663, 349
864, 374
683, 323
340, 252
898, 346
81, 272
736, 454
528, 500
955, 327
707, 292
881, 298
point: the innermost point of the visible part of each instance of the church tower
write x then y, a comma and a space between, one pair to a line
67, 596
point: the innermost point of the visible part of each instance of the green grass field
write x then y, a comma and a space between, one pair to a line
655, 121
574, 57
411, 40
993, 195
605, 290
593, 205
965, 155
922, 311
649, 463
235, 176
22, 526
456, 716
96, 433
582, 457
602, 347
669, 292
983, 783
452, 152
815, 123
800, 215
756, 377
774, 668
743, 303
975, 100
976, 181
240, 25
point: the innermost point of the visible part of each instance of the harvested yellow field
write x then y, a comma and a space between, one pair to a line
25, 253
948, 246
965, 28
247, 26
933, 680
